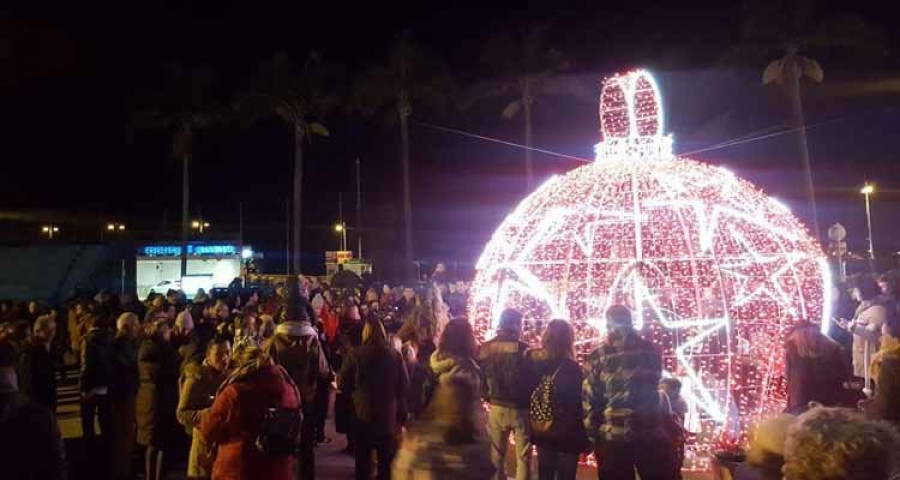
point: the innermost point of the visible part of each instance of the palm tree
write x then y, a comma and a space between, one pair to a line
526, 69
787, 27
412, 74
186, 103
297, 94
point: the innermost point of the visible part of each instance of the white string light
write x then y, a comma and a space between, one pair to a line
716, 271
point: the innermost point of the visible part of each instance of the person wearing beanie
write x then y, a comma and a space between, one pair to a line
296, 347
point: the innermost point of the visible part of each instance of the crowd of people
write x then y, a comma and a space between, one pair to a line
241, 386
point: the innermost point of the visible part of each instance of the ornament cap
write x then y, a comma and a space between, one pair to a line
631, 118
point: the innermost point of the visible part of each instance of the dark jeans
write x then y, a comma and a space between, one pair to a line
101, 406
323, 393
385, 447
307, 459
651, 455
553, 465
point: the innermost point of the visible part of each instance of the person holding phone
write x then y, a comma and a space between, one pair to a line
866, 327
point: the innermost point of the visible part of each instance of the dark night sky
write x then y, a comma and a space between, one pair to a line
68, 75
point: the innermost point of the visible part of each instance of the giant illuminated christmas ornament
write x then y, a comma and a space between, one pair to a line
716, 271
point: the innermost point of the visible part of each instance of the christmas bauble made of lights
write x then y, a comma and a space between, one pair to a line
715, 271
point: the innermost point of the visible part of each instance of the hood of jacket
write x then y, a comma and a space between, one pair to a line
441, 363
296, 329
273, 381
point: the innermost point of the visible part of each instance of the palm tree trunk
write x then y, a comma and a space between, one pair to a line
298, 198
793, 79
529, 162
407, 200
185, 204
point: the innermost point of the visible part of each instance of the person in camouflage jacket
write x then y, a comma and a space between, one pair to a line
622, 411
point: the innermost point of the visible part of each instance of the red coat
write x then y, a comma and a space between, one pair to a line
330, 323
233, 423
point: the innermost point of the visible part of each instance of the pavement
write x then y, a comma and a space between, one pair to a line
331, 462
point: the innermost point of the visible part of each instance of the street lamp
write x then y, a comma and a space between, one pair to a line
867, 190
50, 231
200, 225
342, 230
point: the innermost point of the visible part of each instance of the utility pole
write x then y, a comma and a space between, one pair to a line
359, 210
241, 224
287, 236
341, 221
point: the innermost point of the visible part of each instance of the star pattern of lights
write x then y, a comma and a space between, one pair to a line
716, 271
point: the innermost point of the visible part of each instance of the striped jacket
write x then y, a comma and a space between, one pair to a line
620, 391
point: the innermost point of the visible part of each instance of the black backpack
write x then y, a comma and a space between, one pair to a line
280, 431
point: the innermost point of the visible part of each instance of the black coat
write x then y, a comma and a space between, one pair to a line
30, 442
157, 398
37, 375
97, 360
567, 406
376, 379
125, 369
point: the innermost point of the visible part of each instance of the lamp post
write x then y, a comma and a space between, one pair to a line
341, 229
867, 190
50, 231
111, 229
199, 225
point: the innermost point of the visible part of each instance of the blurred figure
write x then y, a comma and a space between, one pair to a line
76, 323
157, 398
418, 376
450, 442
866, 326
885, 403
96, 377
198, 390
183, 329
456, 300
556, 410
622, 409
814, 369
123, 393
675, 410
838, 444
765, 458
386, 299
38, 364
455, 356
375, 378
504, 361
842, 306
296, 347
30, 443
237, 420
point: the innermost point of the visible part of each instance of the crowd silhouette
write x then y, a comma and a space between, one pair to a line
240, 387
